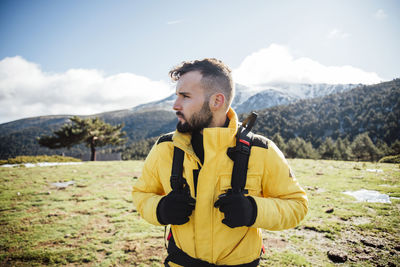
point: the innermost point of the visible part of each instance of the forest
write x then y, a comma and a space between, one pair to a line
362, 124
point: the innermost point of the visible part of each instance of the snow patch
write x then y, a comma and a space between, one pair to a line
63, 184
364, 195
41, 164
374, 170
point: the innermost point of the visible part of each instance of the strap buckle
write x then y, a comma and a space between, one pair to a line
242, 147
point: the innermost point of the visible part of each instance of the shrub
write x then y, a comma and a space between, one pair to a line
390, 159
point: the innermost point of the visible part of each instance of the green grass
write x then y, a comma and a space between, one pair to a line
94, 222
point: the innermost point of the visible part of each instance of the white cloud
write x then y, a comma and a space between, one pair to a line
276, 64
380, 14
337, 34
26, 91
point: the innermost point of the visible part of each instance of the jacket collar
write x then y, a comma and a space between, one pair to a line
214, 138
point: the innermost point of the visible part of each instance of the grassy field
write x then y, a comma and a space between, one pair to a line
94, 223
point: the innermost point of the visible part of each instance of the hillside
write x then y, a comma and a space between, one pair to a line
374, 109
262, 96
19, 137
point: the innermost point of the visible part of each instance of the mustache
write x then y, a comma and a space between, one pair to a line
178, 113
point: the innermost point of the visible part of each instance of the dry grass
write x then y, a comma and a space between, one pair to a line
94, 223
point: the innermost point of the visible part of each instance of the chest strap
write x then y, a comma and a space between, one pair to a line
178, 256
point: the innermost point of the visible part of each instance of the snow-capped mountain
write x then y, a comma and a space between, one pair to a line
261, 96
163, 104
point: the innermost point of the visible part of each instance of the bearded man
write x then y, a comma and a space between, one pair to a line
208, 226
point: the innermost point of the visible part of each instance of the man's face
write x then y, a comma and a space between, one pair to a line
191, 106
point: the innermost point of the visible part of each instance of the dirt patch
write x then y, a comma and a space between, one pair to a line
275, 243
359, 220
33, 210
145, 251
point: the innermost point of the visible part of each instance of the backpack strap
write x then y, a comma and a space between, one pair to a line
177, 181
240, 154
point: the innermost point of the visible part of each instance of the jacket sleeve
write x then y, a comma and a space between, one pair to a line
284, 203
148, 190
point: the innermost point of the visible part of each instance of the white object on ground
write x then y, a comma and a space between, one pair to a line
369, 196
41, 164
374, 170
63, 184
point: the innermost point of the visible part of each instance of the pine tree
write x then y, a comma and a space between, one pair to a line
298, 148
328, 150
383, 149
342, 151
395, 147
94, 132
279, 142
363, 148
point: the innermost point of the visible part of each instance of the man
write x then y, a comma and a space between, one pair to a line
210, 227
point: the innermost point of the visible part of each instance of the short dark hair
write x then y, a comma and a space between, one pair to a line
216, 75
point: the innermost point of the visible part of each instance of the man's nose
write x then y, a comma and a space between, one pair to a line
177, 105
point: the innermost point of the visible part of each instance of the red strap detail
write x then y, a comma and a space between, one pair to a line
169, 236
263, 249
244, 142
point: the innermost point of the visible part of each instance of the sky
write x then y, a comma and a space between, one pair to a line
86, 57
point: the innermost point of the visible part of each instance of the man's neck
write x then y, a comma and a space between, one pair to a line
219, 119
225, 124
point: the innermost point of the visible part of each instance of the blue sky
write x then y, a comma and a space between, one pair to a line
85, 57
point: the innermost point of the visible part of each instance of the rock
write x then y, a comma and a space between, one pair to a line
130, 248
367, 250
330, 210
372, 243
337, 256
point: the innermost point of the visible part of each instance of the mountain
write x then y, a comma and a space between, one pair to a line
262, 96
374, 109
347, 111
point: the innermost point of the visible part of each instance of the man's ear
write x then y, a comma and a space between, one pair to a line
217, 101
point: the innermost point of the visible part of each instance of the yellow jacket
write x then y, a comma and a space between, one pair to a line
281, 202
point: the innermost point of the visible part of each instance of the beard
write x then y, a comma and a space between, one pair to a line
197, 122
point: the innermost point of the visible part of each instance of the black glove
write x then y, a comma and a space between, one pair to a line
175, 208
238, 209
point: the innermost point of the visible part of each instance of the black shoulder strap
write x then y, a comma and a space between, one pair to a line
241, 153
176, 180
165, 138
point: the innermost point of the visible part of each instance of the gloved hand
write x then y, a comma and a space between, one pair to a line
175, 208
238, 209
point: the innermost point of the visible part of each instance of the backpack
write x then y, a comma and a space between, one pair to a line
239, 154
